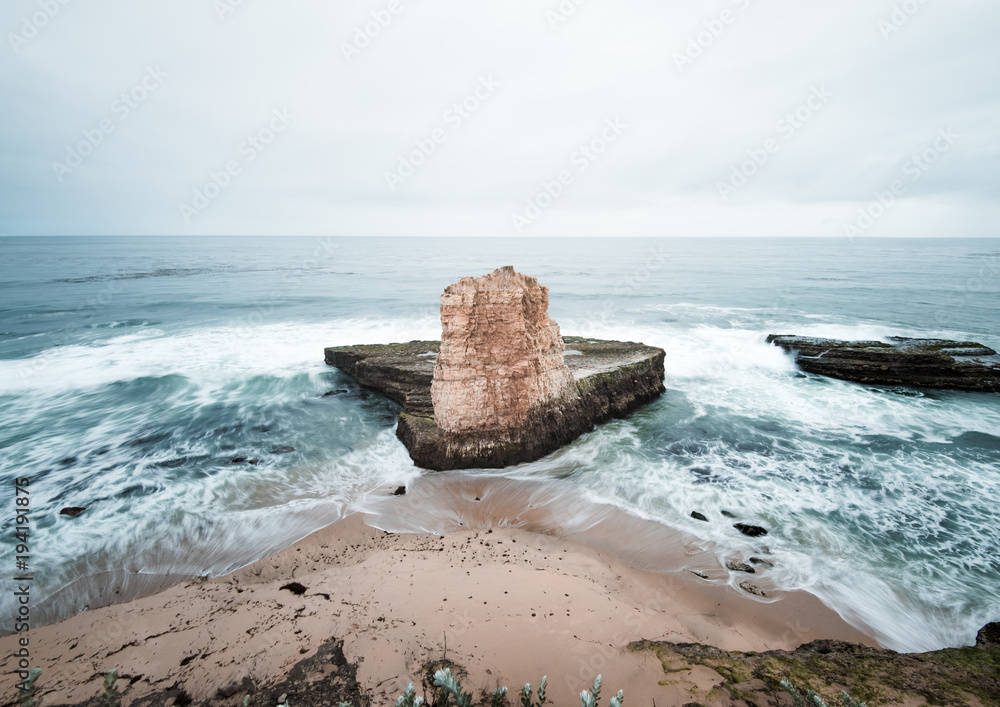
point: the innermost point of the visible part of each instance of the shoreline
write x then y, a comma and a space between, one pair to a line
508, 603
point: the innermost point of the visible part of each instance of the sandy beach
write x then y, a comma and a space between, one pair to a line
508, 603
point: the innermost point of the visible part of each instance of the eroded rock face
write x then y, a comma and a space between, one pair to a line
501, 360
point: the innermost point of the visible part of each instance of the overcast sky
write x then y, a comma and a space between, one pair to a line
585, 117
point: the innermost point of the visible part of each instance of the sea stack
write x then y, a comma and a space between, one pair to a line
502, 387
501, 362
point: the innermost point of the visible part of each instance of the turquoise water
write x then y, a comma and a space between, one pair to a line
134, 371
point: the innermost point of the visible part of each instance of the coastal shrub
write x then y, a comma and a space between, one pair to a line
112, 698
451, 686
526, 693
814, 700
409, 698
497, 698
592, 697
28, 689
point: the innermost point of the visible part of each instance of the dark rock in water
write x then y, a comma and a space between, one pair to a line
72, 511
989, 635
727, 514
295, 588
752, 531
238, 460
67, 461
928, 363
401, 491
339, 391
282, 450
698, 516
759, 561
752, 589
734, 566
614, 378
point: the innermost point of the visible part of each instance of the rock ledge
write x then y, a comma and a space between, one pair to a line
927, 363
612, 378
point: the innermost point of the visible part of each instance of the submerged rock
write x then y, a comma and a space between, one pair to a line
698, 516
72, 511
735, 566
501, 389
928, 363
752, 531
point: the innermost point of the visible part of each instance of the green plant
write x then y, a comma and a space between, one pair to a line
497, 698
28, 688
816, 700
112, 698
592, 697
408, 699
526, 693
451, 684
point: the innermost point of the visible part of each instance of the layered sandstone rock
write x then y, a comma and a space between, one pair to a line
501, 361
502, 390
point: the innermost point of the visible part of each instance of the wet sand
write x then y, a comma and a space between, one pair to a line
508, 603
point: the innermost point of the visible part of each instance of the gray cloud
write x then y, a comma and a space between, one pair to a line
745, 65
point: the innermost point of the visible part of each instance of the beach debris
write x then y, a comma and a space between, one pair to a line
736, 566
72, 511
752, 589
698, 516
696, 573
295, 588
752, 531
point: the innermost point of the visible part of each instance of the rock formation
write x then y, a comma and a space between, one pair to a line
928, 363
501, 359
503, 390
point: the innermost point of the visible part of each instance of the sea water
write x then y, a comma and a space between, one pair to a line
160, 383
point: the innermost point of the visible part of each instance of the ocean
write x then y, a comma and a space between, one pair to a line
175, 389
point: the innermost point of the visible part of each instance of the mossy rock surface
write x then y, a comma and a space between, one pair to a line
953, 676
